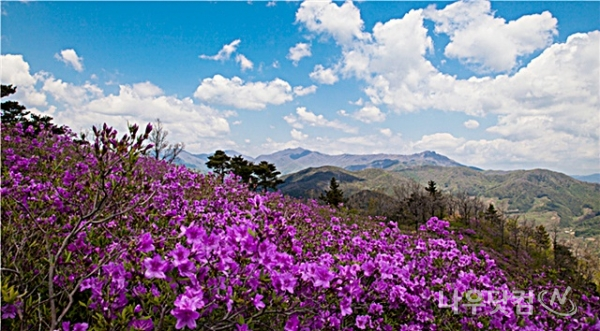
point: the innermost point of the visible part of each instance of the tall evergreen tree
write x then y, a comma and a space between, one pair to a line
267, 175
432, 189
219, 162
541, 237
243, 168
334, 196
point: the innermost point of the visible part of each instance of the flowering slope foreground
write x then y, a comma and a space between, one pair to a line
97, 237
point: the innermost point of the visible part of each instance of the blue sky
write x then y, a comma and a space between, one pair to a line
500, 85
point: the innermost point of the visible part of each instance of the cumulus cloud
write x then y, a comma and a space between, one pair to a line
490, 43
243, 95
553, 97
302, 91
298, 135
244, 63
386, 132
15, 70
147, 89
68, 93
358, 102
224, 53
369, 114
342, 22
307, 117
323, 76
81, 106
70, 57
299, 51
438, 141
471, 124
200, 127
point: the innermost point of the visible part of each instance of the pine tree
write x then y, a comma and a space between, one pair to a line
219, 162
243, 168
432, 189
541, 237
334, 196
433, 198
267, 175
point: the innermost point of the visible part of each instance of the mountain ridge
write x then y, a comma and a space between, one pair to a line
296, 159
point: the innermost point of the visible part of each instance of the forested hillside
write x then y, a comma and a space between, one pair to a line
532, 193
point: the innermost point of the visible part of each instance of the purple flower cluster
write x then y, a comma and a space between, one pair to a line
128, 242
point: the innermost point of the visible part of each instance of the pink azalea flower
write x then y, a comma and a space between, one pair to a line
155, 267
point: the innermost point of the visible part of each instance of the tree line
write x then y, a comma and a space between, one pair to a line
263, 175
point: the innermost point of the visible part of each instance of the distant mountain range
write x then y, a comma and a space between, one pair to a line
593, 178
293, 160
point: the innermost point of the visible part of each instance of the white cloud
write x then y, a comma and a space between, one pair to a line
81, 106
304, 116
15, 71
386, 132
293, 121
299, 51
438, 142
302, 91
224, 53
70, 57
68, 93
471, 124
239, 94
358, 102
147, 89
323, 76
245, 64
229, 113
271, 4
298, 135
342, 22
369, 114
490, 43
198, 126
275, 64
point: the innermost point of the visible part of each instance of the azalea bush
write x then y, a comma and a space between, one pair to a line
97, 237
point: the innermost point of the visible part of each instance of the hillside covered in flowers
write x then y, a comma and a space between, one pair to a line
97, 236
